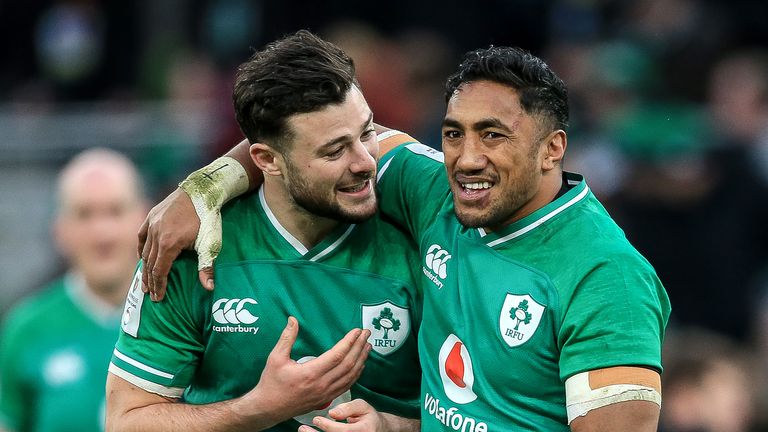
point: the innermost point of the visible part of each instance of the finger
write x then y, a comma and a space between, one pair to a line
150, 263
206, 278
357, 369
163, 264
328, 425
142, 237
332, 358
305, 428
354, 408
284, 345
349, 369
145, 270
346, 375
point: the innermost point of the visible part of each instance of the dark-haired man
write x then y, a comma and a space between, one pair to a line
539, 314
307, 245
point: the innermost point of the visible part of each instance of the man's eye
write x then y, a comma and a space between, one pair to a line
367, 135
335, 153
451, 134
493, 135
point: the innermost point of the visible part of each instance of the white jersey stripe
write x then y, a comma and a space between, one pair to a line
141, 366
300, 248
334, 245
388, 134
381, 171
421, 149
542, 220
172, 392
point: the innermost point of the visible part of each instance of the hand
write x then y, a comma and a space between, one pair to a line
288, 388
361, 417
170, 227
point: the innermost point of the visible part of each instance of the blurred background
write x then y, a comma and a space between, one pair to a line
669, 109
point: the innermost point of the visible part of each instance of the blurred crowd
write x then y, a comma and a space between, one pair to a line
669, 124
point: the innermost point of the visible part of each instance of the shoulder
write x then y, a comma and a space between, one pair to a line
414, 154
185, 267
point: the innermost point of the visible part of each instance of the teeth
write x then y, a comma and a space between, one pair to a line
355, 188
479, 185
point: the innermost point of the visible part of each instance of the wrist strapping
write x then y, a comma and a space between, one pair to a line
210, 188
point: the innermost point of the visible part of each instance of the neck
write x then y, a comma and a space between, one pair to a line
306, 227
550, 185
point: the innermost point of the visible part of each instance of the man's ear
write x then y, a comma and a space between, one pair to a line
554, 149
267, 159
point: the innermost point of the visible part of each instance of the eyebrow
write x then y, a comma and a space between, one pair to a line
485, 123
346, 137
490, 122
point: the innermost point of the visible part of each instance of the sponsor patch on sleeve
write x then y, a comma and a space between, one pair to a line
132, 310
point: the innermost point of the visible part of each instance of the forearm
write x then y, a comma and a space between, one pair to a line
223, 416
131, 408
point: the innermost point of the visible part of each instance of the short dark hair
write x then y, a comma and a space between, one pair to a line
299, 73
541, 91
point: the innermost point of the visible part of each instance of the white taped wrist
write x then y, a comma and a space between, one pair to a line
216, 183
210, 188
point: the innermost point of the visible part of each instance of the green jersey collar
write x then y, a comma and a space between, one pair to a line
578, 192
322, 249
96, 309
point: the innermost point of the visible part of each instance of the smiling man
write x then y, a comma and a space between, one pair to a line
538, 313
544, 315
308, 245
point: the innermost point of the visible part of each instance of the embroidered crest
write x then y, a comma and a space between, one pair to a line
519, 319
390, 326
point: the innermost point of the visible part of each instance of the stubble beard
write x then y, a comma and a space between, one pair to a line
308, 200
502, 210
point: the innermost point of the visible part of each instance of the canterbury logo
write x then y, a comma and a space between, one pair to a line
436, 260
233, 311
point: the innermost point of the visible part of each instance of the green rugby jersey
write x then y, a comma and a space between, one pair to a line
54, 352
510, 315
212, 346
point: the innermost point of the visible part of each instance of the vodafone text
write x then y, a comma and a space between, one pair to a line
452, 417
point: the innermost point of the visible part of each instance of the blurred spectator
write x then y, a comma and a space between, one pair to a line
70, 41
684, 37
711, 384
610, 81
738, 95
694, 202
380, 65
55, 346
429, 61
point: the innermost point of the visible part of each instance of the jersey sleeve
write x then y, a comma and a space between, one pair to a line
160, 344
615, 317
14, 411
412, 183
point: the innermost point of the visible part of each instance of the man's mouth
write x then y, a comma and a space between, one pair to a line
476, 185
474, 190
358, 187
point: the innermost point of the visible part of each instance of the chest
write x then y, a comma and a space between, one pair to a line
253, 301
64, 378
488, 343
